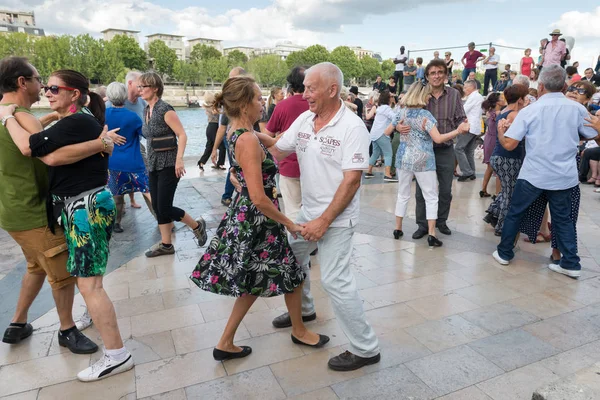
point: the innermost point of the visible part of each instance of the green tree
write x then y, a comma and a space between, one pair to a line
52, 53
346, 60
370, 68
201, 52
215, 69
86, 53
16, 44
133, 56
108, 66
236, 58
163, 56
268, 70
312, 55
187, 73
387, 68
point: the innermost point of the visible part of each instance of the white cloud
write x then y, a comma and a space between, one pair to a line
581, 25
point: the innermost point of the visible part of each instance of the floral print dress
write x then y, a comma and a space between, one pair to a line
250, 253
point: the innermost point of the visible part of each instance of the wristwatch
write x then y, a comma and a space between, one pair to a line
4, 119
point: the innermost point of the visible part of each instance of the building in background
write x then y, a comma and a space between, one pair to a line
283, 49
361, 53
216, 43
19, 21
248, 51
110, 33
174, 42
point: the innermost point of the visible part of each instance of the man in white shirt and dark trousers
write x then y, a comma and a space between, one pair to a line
466, 144
491, 71
552, 127
400, 62
332, 145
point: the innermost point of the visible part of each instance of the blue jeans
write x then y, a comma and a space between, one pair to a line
560, 209
228, 185
466, 72
383, 145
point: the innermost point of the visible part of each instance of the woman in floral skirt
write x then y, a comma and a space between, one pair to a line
250, 255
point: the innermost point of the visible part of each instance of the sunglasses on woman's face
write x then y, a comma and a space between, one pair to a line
579, 90
54, 89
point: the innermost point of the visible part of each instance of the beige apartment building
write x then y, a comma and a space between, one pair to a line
216, 43
361, 53
174, 42
110, 33
248, 51
19, 21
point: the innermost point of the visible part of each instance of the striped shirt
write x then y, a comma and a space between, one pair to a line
449, 112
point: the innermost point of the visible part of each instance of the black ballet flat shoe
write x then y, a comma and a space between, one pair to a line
398, 234
220, 355
432, 241
323, 340
483, 194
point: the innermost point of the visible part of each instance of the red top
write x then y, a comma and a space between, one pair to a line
284, 115
526, 63
472, 58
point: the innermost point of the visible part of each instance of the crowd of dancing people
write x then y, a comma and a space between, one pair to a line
309, 146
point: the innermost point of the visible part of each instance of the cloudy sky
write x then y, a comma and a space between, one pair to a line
378, 25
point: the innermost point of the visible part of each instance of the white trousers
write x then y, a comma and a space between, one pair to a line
429, 186
291, 194
335, 250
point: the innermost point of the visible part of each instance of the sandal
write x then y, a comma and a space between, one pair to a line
597, 184
591, 180
544, 238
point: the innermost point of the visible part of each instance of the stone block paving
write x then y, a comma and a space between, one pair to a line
452, 323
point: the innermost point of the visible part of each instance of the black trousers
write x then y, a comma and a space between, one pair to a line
211, 135
163, 185
444, 164
399, 76
584, 166
490, 75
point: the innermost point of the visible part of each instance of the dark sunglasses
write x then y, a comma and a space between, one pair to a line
54, 89
140, 87
579, 90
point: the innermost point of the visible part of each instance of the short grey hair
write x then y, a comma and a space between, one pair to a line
132, 76
330, 73
553, 78
521, 80
116, 93
374, 95
471, 83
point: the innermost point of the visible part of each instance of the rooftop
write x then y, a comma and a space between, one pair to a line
163, 34
201, 38
120, 30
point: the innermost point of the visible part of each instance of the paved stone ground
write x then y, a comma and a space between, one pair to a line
452, 323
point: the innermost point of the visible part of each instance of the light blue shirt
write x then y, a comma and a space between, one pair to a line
551, 127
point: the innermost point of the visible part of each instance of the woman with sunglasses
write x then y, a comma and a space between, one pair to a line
582, 93
80, 202
415, 157
166, 145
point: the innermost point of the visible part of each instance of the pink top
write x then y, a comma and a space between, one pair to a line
526, 63
284, 115
554, 53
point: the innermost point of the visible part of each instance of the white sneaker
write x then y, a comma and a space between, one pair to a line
572, 273
104, 368
597, 190
85, 321
499, 259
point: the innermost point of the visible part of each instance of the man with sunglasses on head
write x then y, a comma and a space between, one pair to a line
446, 106
23, 207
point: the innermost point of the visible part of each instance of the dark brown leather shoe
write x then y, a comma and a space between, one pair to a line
284, 320
350, 362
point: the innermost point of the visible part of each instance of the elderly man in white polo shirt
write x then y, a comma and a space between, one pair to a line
466, 144
552, 127
332, 145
